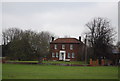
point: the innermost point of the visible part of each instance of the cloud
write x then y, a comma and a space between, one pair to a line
59, 18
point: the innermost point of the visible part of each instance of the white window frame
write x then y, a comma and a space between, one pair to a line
71, 46
73, 55
57, 54
53, 54
68, 56
63, 46
55, 46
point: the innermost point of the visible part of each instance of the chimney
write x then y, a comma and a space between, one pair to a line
52, 38
79, 38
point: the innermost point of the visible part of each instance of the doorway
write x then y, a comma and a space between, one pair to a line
62, 55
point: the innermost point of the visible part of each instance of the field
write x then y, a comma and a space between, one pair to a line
55, 62
22, 71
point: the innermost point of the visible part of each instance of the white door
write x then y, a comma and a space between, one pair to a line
62, 55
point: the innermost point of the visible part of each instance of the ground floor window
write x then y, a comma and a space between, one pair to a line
53, 54
57, 54
68, 55
73, 55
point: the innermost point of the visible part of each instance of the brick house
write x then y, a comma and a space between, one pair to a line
66, 49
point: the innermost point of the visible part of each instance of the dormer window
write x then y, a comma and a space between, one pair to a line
63, 46
71, 46
55, 46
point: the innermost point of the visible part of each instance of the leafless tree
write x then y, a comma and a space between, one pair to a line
11, 34
100, 36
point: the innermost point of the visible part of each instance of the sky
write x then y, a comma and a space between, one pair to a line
60, 18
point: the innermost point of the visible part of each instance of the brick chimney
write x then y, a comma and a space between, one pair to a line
52, 38
79, 38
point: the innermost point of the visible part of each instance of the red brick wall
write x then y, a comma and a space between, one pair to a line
76, 49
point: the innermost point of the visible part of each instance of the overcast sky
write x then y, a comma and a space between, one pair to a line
60, 18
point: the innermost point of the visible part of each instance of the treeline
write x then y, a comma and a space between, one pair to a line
21, 44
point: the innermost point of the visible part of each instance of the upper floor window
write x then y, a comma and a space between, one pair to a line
71, 47
73, 55
55, 46
68, 55
57, 54
63, 46
53, 54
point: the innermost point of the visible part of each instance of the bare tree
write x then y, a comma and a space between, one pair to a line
100, 36
118, 44
11, 34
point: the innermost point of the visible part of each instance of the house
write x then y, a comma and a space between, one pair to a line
116, 55
66, 49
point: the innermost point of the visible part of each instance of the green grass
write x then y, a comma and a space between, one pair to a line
24, 61
22, 71
63, 62
55, 62
0, 71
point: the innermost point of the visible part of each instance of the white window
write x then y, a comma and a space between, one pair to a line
55, 46
68, 55
73, 55
53, 54
57, 54
71, 47
63, 46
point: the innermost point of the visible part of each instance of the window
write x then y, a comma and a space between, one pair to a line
68, 55
73, 55
57, 54
55, 46
53, 54
63, 46
71, 47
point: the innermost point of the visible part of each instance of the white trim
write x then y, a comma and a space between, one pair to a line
62, 57
68, 55
56, 54
63, 46
73, 55
55, 46
53, 54
71, 46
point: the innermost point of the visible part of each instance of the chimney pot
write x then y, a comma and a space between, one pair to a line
52, 38
79, 38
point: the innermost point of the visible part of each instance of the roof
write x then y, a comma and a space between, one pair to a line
66, 40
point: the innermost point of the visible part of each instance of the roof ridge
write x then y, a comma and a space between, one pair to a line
66, 40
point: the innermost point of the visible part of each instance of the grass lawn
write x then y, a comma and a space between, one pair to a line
22, 71
55, 62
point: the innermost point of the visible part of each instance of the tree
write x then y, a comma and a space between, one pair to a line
100, 37
26, 45
118, 44
40, 42
9, 36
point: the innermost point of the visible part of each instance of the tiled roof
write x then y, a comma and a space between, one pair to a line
66, 40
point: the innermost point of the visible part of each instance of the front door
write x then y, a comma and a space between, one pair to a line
62, 55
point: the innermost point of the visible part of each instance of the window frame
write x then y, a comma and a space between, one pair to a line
55, 46
63, 46
71, 46
53, 54
57, 54
68, 55
73, 55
